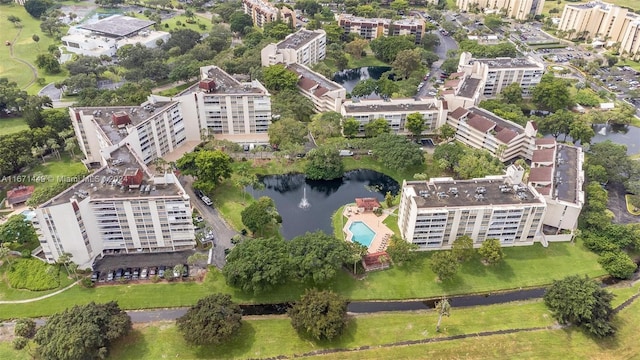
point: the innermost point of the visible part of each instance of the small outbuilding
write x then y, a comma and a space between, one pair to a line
376, 261
367, 204
19, 195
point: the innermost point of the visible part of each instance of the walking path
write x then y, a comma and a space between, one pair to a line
38, 298
34, 71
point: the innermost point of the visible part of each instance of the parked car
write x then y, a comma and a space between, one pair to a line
198, 193
185, 271
153, 271
127, 273
346, 153
95, 276
119, 274
110, 275
143, 273
136, 273
206, 200
161, 271
198, 219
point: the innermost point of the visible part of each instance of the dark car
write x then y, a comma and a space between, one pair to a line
198, 193
161, 271
185, 271
95, 276
119, 274
136, 273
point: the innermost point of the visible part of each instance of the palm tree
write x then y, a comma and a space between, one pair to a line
38, 151
443, 308
5, 252
54, 146
70, 146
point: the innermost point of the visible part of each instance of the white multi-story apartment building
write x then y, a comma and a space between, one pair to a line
106, 36
302, 47
372, 28
262, 12
433, 213
227, 108
517, 9
556, 173
605, 22
462, 90
120, 208
325, 94
395, 112
482, 129
498, 73
218, 105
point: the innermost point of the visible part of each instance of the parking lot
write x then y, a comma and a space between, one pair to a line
132, 261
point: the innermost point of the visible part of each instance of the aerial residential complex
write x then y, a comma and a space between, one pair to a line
395, 112
433, 213
302, 47
373, 28
517, 9
106, 36
325, 94
120, 208
263, 12
498, 73
218, 105
604, 22
482, 129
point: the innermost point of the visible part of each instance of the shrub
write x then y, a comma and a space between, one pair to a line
20, 343
34, 275
155, 279
87, 283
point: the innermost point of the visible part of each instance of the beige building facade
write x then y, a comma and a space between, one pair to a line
302, 47
516, 9
372, 28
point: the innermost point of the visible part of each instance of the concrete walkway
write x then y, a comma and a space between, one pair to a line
38, 298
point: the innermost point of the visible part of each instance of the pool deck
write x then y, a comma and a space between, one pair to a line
374, 222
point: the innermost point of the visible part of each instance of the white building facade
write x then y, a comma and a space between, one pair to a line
303, 47
516, 9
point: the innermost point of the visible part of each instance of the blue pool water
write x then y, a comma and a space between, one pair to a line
361, 233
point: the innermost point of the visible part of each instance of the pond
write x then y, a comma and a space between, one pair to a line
349, 78
307, 205
625, 135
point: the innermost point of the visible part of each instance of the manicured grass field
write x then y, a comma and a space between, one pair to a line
55, 169
543, 344
271, 336
524, 266
24, 48
12, 125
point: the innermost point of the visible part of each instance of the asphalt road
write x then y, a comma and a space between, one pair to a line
221, 230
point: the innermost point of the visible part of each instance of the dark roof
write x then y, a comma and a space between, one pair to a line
458, 113
306, 84
480, 123
566, 185
546, 141
118, 25
299, 39
541, 174
506, 135
543, 155
469, 87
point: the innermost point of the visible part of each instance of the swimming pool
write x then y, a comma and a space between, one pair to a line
361, 233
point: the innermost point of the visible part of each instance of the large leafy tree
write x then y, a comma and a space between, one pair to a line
512, 93
277, 77
257, 265
261, 216
462, 248
324, 163
37, 8
444, 264
319, 314
209, 166
580, 301
476, 164
82, 332
415, 124
325, 125
317, 257
289, 103
350, 127
387, 48
287, 131
240, 22
11, 97
214, 319
377, 127
17, 229
618, 264
364, 88
557, 123
183, 39
491, 251
407, 61
613, 157
552, 93
395, 152
401, 252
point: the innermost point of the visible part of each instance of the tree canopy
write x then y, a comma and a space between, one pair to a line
401, 252
324, 163
214, 319
462, 248
396, 152
209, 166
491, 251
278, 77
325, 125
17, 229
287, 131
319, 314
261, 216
444, 264
257, 265
386, 48
582, 302
552, 93
82, 332
317, 257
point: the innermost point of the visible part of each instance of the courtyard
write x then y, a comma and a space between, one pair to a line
355, 231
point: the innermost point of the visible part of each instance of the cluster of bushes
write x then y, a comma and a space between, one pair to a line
33, 275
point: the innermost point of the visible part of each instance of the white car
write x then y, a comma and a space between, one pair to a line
207, 201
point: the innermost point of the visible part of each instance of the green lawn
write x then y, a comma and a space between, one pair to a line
262, 337
524, 266
364, 61
12, 125
7, 293
24, 48
55, 169
543, 344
